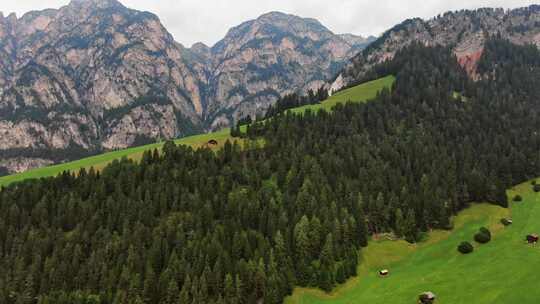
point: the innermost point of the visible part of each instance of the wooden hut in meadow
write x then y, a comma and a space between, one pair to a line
427, 297
532, 238
211, 143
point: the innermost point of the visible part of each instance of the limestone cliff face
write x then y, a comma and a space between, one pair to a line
95, 75
465, 30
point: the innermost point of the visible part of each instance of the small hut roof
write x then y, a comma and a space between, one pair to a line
429, 294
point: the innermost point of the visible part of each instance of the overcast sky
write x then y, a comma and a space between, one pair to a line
192, 21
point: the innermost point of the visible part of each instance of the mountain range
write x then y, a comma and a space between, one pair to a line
95, 75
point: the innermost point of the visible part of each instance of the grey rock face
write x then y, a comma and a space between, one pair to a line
465, 30
262, 59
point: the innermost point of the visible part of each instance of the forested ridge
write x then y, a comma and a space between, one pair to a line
248, 224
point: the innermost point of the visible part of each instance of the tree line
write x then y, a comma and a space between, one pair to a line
295, 100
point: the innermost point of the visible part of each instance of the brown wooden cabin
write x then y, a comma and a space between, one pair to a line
532, 238
427, 297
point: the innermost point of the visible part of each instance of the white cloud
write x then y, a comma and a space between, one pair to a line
191, 21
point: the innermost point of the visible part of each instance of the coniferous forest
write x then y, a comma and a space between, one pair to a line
247, 224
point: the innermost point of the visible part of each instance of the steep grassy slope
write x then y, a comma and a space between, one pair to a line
502, 271
360, 93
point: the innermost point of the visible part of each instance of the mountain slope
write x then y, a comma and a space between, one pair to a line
465, 30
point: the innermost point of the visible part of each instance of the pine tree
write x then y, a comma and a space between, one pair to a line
28, 294
172, 293
327, 253
150, 286
302, 245
400, 226
361, 229
229, 290
410, 231
239, 287
184, 293
260, 279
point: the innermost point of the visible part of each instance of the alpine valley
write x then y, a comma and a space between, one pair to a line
394, 171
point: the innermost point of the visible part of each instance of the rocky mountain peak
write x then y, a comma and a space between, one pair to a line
289, 22
101, 4
355, 40
9, 16
202, 50
262, 59
274, 25
12, 17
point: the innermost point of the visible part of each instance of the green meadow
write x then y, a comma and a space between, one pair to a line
503, 271
360, 93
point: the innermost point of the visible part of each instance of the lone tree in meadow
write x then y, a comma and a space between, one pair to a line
483, 236
465, 247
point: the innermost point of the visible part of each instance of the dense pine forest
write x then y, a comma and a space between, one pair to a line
247, 224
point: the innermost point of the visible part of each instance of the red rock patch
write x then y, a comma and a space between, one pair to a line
470, 62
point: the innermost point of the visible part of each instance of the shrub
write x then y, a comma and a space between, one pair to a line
465, 247
518, 198
482, 238
533, 182
536, 188
485, 230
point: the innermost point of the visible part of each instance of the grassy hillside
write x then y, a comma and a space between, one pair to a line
502, 271
100, 161
359, 93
